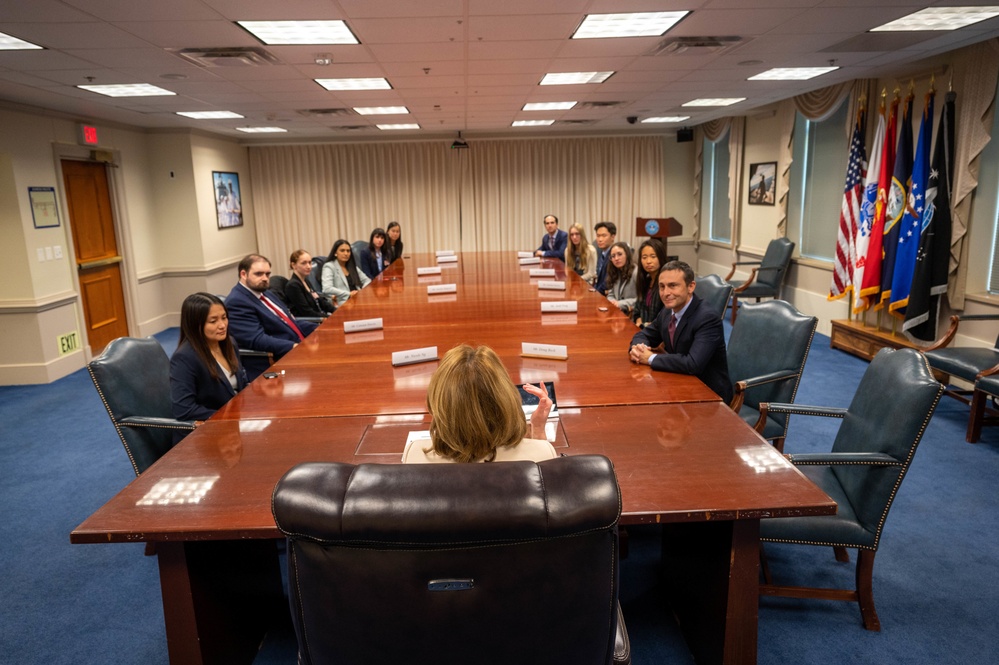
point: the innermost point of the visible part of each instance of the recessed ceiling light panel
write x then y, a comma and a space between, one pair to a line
575, 78
11, 43
411, 125
641, 24
127, 90
381, 110
549, 106
261, 130
939, 18
209, 115
355, 84
718, 101
667, 118
532, 123
791, 73
300, 32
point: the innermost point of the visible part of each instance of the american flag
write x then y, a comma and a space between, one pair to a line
849, 216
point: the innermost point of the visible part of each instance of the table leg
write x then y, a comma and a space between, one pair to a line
219, 599
711, 573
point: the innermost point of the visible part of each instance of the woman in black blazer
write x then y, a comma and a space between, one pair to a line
301, 298
205, 372
394, 233
376, 256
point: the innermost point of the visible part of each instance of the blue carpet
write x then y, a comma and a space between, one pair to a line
63, 603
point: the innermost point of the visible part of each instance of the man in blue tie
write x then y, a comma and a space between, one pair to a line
605, 234
554, 241
690, 333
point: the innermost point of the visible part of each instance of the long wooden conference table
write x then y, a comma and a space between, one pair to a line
682, 457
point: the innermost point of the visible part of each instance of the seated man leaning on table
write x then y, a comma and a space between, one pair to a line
689, 331
258, 321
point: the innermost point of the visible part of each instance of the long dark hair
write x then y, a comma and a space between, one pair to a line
193, 315
644, 281
385, 241
614, 274
353, 281
395, 248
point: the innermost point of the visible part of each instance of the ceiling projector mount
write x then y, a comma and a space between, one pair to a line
459, 143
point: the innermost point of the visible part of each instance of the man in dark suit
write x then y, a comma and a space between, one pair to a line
259, 322
690, 332
554, 241
605, 234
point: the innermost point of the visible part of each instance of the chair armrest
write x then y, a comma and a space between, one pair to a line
987, 372
741, 386
250, 353
740, 263
745, 285
159, 423
311, 319
828, 459
796, 409
955, 320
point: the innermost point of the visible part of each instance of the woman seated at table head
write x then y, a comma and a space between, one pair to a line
648, 304
205, 372
477, 414
621, 271
394, 233
375, 258
580, 255
302, 299
341, 278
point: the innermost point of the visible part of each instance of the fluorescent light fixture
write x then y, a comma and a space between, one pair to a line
791, 73
10, 43
574, 78
668, 118
300, 32
549, 106
354, 84
641, 24
720, 101
127, 90
261, 130
411, 125
532, 123
381, 110
939, 18
209, 115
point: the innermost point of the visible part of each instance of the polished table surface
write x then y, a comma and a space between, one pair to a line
682, 457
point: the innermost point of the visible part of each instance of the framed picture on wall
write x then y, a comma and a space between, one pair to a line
227, 201
762, 183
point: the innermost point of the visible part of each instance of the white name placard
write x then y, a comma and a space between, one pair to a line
530, 260
542, 272
447, 258
559, 351
362, 324
548, 285
525, 255
444, 252
431, 270
559, 306
441, 288
414, 356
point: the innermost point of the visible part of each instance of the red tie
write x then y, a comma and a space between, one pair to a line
284, 317
672, 328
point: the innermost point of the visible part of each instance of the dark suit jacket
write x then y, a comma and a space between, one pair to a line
699, 347
369, 264
556, 251
255, 327
602, 260
194, 393
301, 301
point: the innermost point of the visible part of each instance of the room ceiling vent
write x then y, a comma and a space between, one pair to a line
325, 113
596, 105
695, 45
236, 56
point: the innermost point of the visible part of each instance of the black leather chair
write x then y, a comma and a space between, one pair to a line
714, 292
278, 282
766, 356
132, 376
316, 274
968, 364
507, 562
986, 389
870, 456
767, 279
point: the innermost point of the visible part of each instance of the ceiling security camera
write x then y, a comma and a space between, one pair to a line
632, 119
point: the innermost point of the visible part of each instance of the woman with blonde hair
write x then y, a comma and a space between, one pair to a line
477, 413
580, 255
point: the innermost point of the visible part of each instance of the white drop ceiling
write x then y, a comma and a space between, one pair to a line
457, 65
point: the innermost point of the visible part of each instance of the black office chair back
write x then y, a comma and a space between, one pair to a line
278, 282
714, 291
773, 267
316, 274
357, 248
512, 562
132, 377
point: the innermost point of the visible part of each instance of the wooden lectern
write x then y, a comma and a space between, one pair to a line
658, 227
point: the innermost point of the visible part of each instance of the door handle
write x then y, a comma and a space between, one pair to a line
99, 263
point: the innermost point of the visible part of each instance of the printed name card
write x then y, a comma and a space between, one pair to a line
414, 356
447, 258
525, 255
432, 270
551, 286
542, 272
441, 288
559, 306
558, 351
444, 252
362, 324
530, 260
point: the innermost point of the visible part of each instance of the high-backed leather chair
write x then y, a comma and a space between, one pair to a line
132, 376
968, 364
714, 292
986, 388
316, 274
767, 278
766, 356
505, 562
870, 456
278, 282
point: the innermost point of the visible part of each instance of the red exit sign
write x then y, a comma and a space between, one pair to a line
86, 134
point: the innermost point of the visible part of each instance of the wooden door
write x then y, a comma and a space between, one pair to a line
97, 259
